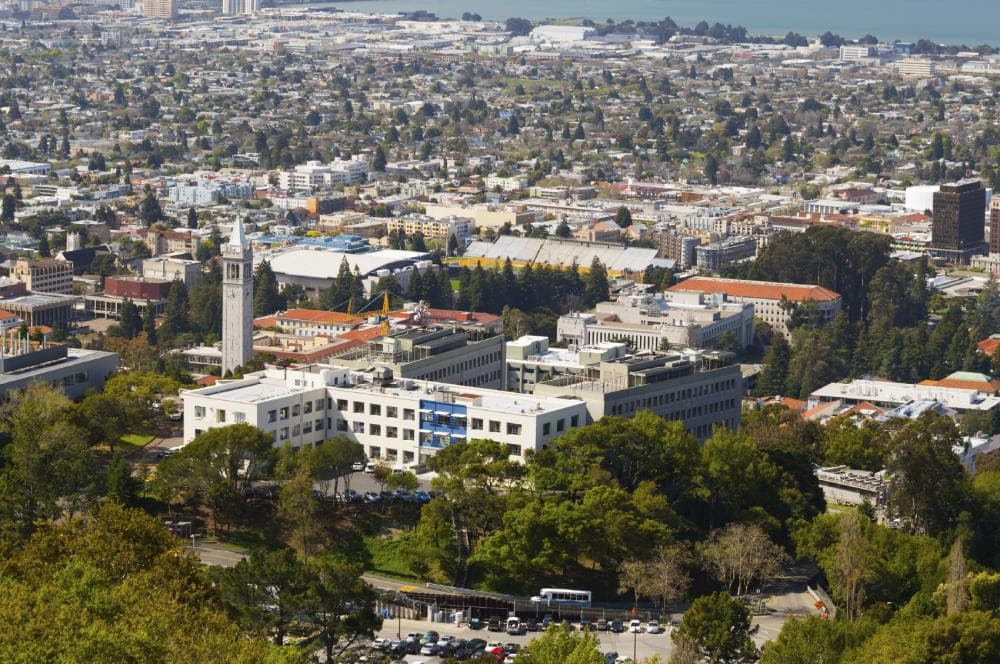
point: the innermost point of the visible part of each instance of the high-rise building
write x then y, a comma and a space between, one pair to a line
234, 7
958, 232
159, 8
995, 226
237, 299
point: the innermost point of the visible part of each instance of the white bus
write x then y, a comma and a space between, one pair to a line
563, 596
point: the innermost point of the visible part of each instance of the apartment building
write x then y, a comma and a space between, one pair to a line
169, 268
310, 322
435, 229
653, 321
171, 242
400, 420
46, 275
439, 354
315, 174
773, 302
508, 184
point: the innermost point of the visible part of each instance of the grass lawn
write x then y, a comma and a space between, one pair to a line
137, 439
388, 556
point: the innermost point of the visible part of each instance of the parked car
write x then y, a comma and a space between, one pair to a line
494, 625
653, 627
422, 496
381, 644
546, 621
430, 649
635, 627
586, 625
531, 624
475, 623
602, 626
372, 497
610, 657
369, 467
515, 626
357, 465
616, 626
429, 637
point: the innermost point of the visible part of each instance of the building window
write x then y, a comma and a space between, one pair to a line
239, 417
408, 434
407, 457
307, 428
546, 428
283, 414
319, 404
477, 424
494, 426
409, 414
375, 429
391, 432
375, 452
199, 411
374, 409
560, 424
391, 411
359, 407
220, 415
295, 410
318, 425
513, 429
341, 425
284, 434
359, 427
296, 430
514, 450
341, 404
307, 407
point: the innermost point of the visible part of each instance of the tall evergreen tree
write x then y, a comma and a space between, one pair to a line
175, 320
192, 218
598, 288
773, 378
149, 322
266, 298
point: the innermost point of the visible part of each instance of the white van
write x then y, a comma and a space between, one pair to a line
515, 627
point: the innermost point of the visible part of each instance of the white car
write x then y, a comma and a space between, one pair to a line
358, 465
653, 627
635, 627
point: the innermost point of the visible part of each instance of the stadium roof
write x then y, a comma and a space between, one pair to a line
562, 253
322, 263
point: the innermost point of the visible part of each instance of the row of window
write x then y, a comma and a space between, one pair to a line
629, 407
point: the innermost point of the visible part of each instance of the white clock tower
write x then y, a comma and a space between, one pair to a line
237, 299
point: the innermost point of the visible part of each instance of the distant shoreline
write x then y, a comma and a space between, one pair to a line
754, 35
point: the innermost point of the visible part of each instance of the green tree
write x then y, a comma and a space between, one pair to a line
379, 160
773, 378
192, 218
299, 508
266, 298
719, 630
149, 209
560, 646
266, 592
598, 288
43, 246
9, 206
341, 607
176, 311
623, 217
121, 486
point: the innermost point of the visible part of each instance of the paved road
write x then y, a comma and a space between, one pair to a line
210, 555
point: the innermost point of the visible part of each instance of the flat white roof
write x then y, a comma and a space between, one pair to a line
878, 391
323, 263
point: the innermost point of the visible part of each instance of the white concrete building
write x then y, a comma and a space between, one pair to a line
651, 321
436, 229
316, 174
509, 184
403, 421
887, 394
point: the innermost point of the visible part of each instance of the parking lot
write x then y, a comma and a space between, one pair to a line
646, 645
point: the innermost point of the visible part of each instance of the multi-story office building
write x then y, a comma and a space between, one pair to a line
711, 257
958, 231
773, 302
440, 354
235, 7
851, 53
73, 370
995, 226
701, 389
400, 420
46, 275
678, 247
160, 8
653, 321
170, 268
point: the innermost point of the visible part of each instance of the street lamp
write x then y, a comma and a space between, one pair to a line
635, 641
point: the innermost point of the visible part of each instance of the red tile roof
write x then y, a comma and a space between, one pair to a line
318, 316
989, 346
764, 290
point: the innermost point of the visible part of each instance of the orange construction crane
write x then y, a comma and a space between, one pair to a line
385, 312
